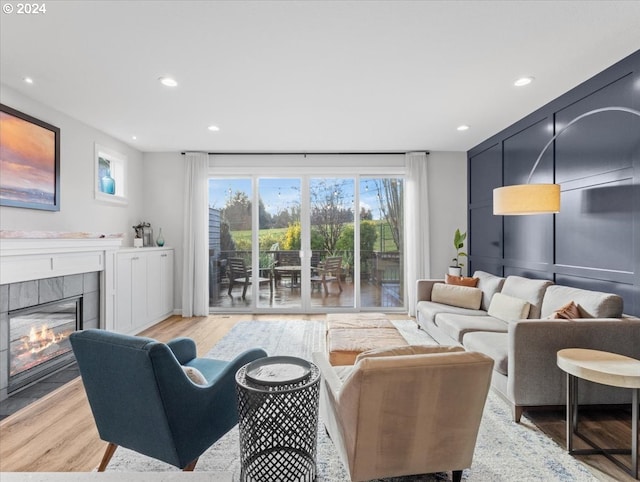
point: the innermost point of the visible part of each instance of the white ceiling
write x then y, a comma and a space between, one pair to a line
308, 76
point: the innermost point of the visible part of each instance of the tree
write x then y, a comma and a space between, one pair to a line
328, 211
237, 212
227, 244
265, 220
390, 197
365, 214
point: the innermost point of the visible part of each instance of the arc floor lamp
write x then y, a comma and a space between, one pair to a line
520, 199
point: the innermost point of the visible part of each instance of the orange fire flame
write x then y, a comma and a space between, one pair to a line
41, 339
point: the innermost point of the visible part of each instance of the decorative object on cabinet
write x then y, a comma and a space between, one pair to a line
160, 238
110, 176
145, 232
520, 199
30, 170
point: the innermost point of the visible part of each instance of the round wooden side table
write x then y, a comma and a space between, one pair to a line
608, 369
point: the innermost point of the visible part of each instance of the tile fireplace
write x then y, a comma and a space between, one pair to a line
36, 321
49, 287
39, 340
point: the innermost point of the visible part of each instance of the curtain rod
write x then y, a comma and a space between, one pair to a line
301, 153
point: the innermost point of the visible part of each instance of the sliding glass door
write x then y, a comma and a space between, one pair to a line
306, 244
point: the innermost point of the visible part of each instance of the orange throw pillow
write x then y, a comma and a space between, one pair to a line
569, 311
461, 281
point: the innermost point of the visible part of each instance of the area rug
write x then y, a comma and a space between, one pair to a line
505, 451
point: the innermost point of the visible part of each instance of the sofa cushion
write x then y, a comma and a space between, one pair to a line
508, 308
570, 311
408, 350
531, 290
457, 326
427, 310
489, 284
461, 280
494, 345
454, 295
592, 304
345, 345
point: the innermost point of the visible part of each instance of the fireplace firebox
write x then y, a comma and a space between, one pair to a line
39, 339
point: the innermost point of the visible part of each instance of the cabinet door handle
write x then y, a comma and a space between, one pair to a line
163, 255
135, 258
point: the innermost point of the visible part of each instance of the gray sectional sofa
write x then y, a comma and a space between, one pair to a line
524, 347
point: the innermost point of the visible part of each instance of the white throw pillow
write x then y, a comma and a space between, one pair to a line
508, 308
455, 295
194, 375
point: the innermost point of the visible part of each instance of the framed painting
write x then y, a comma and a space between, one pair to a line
29, 161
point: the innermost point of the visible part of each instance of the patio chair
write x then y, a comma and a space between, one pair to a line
240, 274
328, 270
143, 398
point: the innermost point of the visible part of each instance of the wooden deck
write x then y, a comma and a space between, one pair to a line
372, 295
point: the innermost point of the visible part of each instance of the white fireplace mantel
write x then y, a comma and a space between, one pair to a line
26, 259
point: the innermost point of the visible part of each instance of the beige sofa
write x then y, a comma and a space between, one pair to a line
405, 410
524, 348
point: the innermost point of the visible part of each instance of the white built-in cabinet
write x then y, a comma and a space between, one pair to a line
144, 288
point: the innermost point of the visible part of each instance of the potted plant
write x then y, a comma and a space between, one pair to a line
458, 243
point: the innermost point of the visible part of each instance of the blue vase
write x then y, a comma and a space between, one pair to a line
108, 184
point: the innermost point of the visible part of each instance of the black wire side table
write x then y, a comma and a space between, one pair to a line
278, 419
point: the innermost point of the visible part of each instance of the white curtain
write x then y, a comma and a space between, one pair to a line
195, 281
416, 225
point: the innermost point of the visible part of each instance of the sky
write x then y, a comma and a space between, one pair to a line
279, 194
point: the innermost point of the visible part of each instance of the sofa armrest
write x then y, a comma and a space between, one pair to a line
533, 375
424, 287
332, 381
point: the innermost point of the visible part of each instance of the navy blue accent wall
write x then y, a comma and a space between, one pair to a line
594, 242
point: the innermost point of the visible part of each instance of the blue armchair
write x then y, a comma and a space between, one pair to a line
142, 399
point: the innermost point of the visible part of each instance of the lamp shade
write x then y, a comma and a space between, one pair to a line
526, 199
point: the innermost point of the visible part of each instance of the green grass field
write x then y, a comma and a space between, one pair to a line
267, 237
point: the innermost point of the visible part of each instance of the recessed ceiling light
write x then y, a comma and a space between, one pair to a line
28, 80
213, 128
168, 81
463, 128
522, 81
135, 138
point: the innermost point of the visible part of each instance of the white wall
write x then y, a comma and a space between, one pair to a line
164, 187
447, 173
79, 211
156, 187
164, 206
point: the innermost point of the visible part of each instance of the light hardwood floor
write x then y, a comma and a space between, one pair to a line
57, 433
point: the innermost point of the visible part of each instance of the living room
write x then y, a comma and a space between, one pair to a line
339, 89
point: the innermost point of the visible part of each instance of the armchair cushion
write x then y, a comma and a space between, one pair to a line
194, 375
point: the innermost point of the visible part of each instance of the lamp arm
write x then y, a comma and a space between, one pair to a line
586, 114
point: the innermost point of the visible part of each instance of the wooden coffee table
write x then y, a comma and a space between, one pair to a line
608, 369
